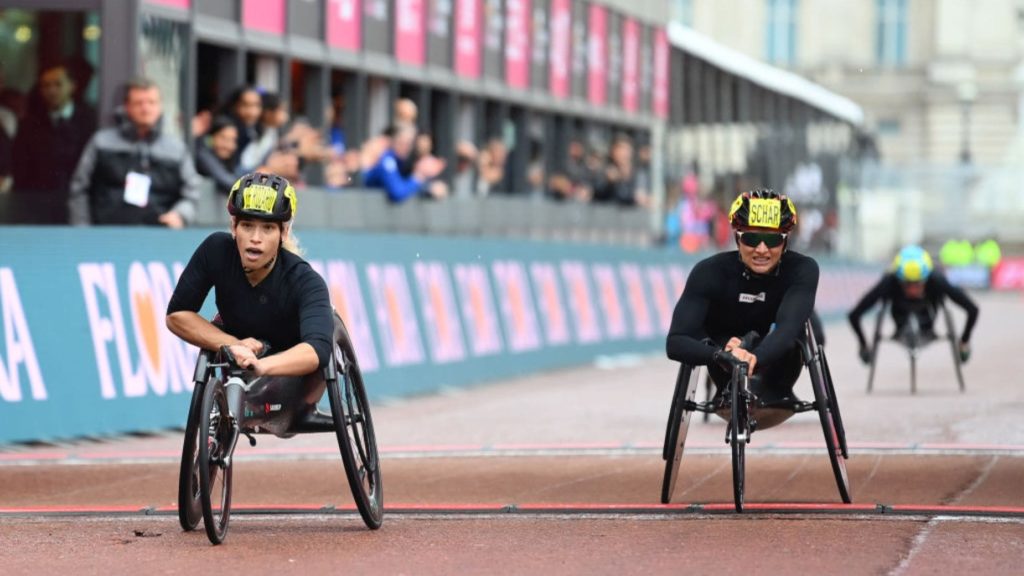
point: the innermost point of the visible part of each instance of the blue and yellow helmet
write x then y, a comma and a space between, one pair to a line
913, 264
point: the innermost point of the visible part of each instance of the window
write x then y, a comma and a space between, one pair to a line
780, 35
682, 12
891, 39
163, 58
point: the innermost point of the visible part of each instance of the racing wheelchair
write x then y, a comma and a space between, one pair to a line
914, 339
738, 401
212, 431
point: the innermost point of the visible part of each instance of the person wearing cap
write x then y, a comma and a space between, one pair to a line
761, 286
274, 310
914, 286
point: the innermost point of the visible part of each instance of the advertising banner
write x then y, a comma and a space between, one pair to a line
344, 24
184, 4
659, 95
561, 47
84, 348
597, 54
468, 37
517, 43
630, 64
410, 31
264, 15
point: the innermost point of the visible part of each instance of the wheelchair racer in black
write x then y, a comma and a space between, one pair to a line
760, 287
274, 309
914, 286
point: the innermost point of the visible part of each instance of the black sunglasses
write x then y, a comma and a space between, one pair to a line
754, 239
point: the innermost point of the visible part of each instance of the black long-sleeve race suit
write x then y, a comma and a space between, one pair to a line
936, 288
723, 299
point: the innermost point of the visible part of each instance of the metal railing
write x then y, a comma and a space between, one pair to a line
493, 216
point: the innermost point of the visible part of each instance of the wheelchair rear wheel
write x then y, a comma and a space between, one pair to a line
678, 425
215, 464
190, 509
354, 429
954, 345
831, 425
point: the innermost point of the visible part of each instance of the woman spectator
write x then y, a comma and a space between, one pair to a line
215, 153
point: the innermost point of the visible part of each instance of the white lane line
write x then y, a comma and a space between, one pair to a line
915, 547
982, 476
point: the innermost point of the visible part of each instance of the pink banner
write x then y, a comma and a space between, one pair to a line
516, 304
264, 15
580, 302
643, 325
597, 55
517, 43
410, 31
561, 46
185, 4
1008, 274
347, 298
344, 25
611, 302
468, 37
396, 316
630, 64
659, 94
549, 303
440, 313
478, 309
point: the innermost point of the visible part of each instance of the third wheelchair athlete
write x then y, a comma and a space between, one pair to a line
760, 287
913, 286
268, 299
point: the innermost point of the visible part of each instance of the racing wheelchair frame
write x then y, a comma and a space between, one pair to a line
739, 401
211, 432
914, 342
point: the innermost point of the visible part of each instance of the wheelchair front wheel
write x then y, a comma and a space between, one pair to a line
354, 429
739, 434
215, 464
954, 345
190, 509
678, 425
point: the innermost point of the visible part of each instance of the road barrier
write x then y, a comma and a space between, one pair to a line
84, 349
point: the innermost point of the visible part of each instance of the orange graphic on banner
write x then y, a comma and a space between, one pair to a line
515, 296
147, 325
340, 304
394, 317
637, 296
440, 316
579, 293
551, 297
476, 303
611, 304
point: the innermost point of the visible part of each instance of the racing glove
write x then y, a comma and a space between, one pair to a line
965, 351
865, 355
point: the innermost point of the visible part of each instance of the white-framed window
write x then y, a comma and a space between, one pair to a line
891, 35
780, 32
681, 11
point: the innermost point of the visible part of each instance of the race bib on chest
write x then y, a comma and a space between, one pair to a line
765, 213
136, 189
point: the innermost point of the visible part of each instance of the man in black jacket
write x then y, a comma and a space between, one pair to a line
49, 142
134, 173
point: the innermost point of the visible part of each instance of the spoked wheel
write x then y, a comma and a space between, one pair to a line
833, 406
190, 509
354, 428
955, 347
875, 342
831, 425
215, 432
678, 425
739, 434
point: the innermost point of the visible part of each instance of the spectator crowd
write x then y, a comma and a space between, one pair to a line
57, 164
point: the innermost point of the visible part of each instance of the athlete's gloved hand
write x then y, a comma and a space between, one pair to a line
865, 354
965, 351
